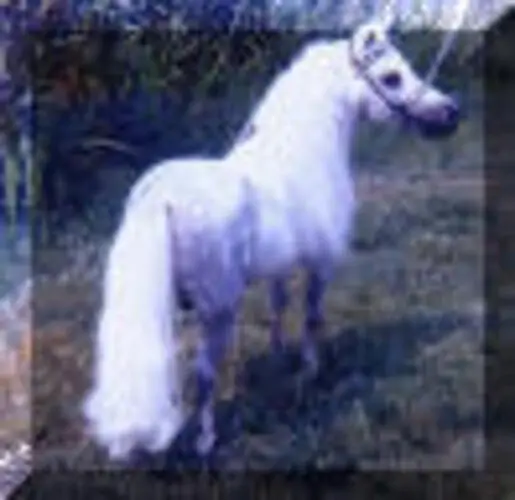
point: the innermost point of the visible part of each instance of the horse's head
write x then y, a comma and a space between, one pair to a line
386, 86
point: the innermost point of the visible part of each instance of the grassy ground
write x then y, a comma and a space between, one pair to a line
401, 384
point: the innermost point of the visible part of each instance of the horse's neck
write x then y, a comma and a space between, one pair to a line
324, 158
303, 123
316, 142
299, 132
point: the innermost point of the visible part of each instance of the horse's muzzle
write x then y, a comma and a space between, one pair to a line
439, 123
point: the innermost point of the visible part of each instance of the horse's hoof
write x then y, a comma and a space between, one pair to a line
205, 443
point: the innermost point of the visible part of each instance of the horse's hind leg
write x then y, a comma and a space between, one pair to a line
279, 300
314, 318
217, 333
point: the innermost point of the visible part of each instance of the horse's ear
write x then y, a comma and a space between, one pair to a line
387, 16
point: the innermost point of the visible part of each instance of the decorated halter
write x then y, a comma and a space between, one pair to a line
365, 63
373, 51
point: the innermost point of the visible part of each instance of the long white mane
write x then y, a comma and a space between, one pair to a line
303, 79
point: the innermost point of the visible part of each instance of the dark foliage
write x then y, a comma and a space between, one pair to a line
117, 89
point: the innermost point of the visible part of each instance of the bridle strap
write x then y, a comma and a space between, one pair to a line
363, 69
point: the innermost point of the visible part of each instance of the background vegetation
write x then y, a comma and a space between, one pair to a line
79, 82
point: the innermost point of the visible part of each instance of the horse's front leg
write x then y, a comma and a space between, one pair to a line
314, 318
279, 300
218, 331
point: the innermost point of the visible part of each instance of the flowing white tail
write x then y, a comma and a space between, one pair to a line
136, 399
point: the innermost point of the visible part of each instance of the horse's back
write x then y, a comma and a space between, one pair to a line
199, 188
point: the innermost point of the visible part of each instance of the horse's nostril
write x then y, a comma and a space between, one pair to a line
448, 113
454, 108
452, 112
440, 121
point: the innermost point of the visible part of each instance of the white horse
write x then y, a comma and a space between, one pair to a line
202, 229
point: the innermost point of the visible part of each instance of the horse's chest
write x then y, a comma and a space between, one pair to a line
321, 240
322, 227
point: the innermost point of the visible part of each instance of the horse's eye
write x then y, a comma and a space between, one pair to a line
370, 40
391, 80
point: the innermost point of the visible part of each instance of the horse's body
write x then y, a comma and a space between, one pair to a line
205, 228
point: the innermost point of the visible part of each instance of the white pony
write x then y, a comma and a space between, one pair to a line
197, 231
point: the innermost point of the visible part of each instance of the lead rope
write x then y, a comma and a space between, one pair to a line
440, 57
446, 44
460, 16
